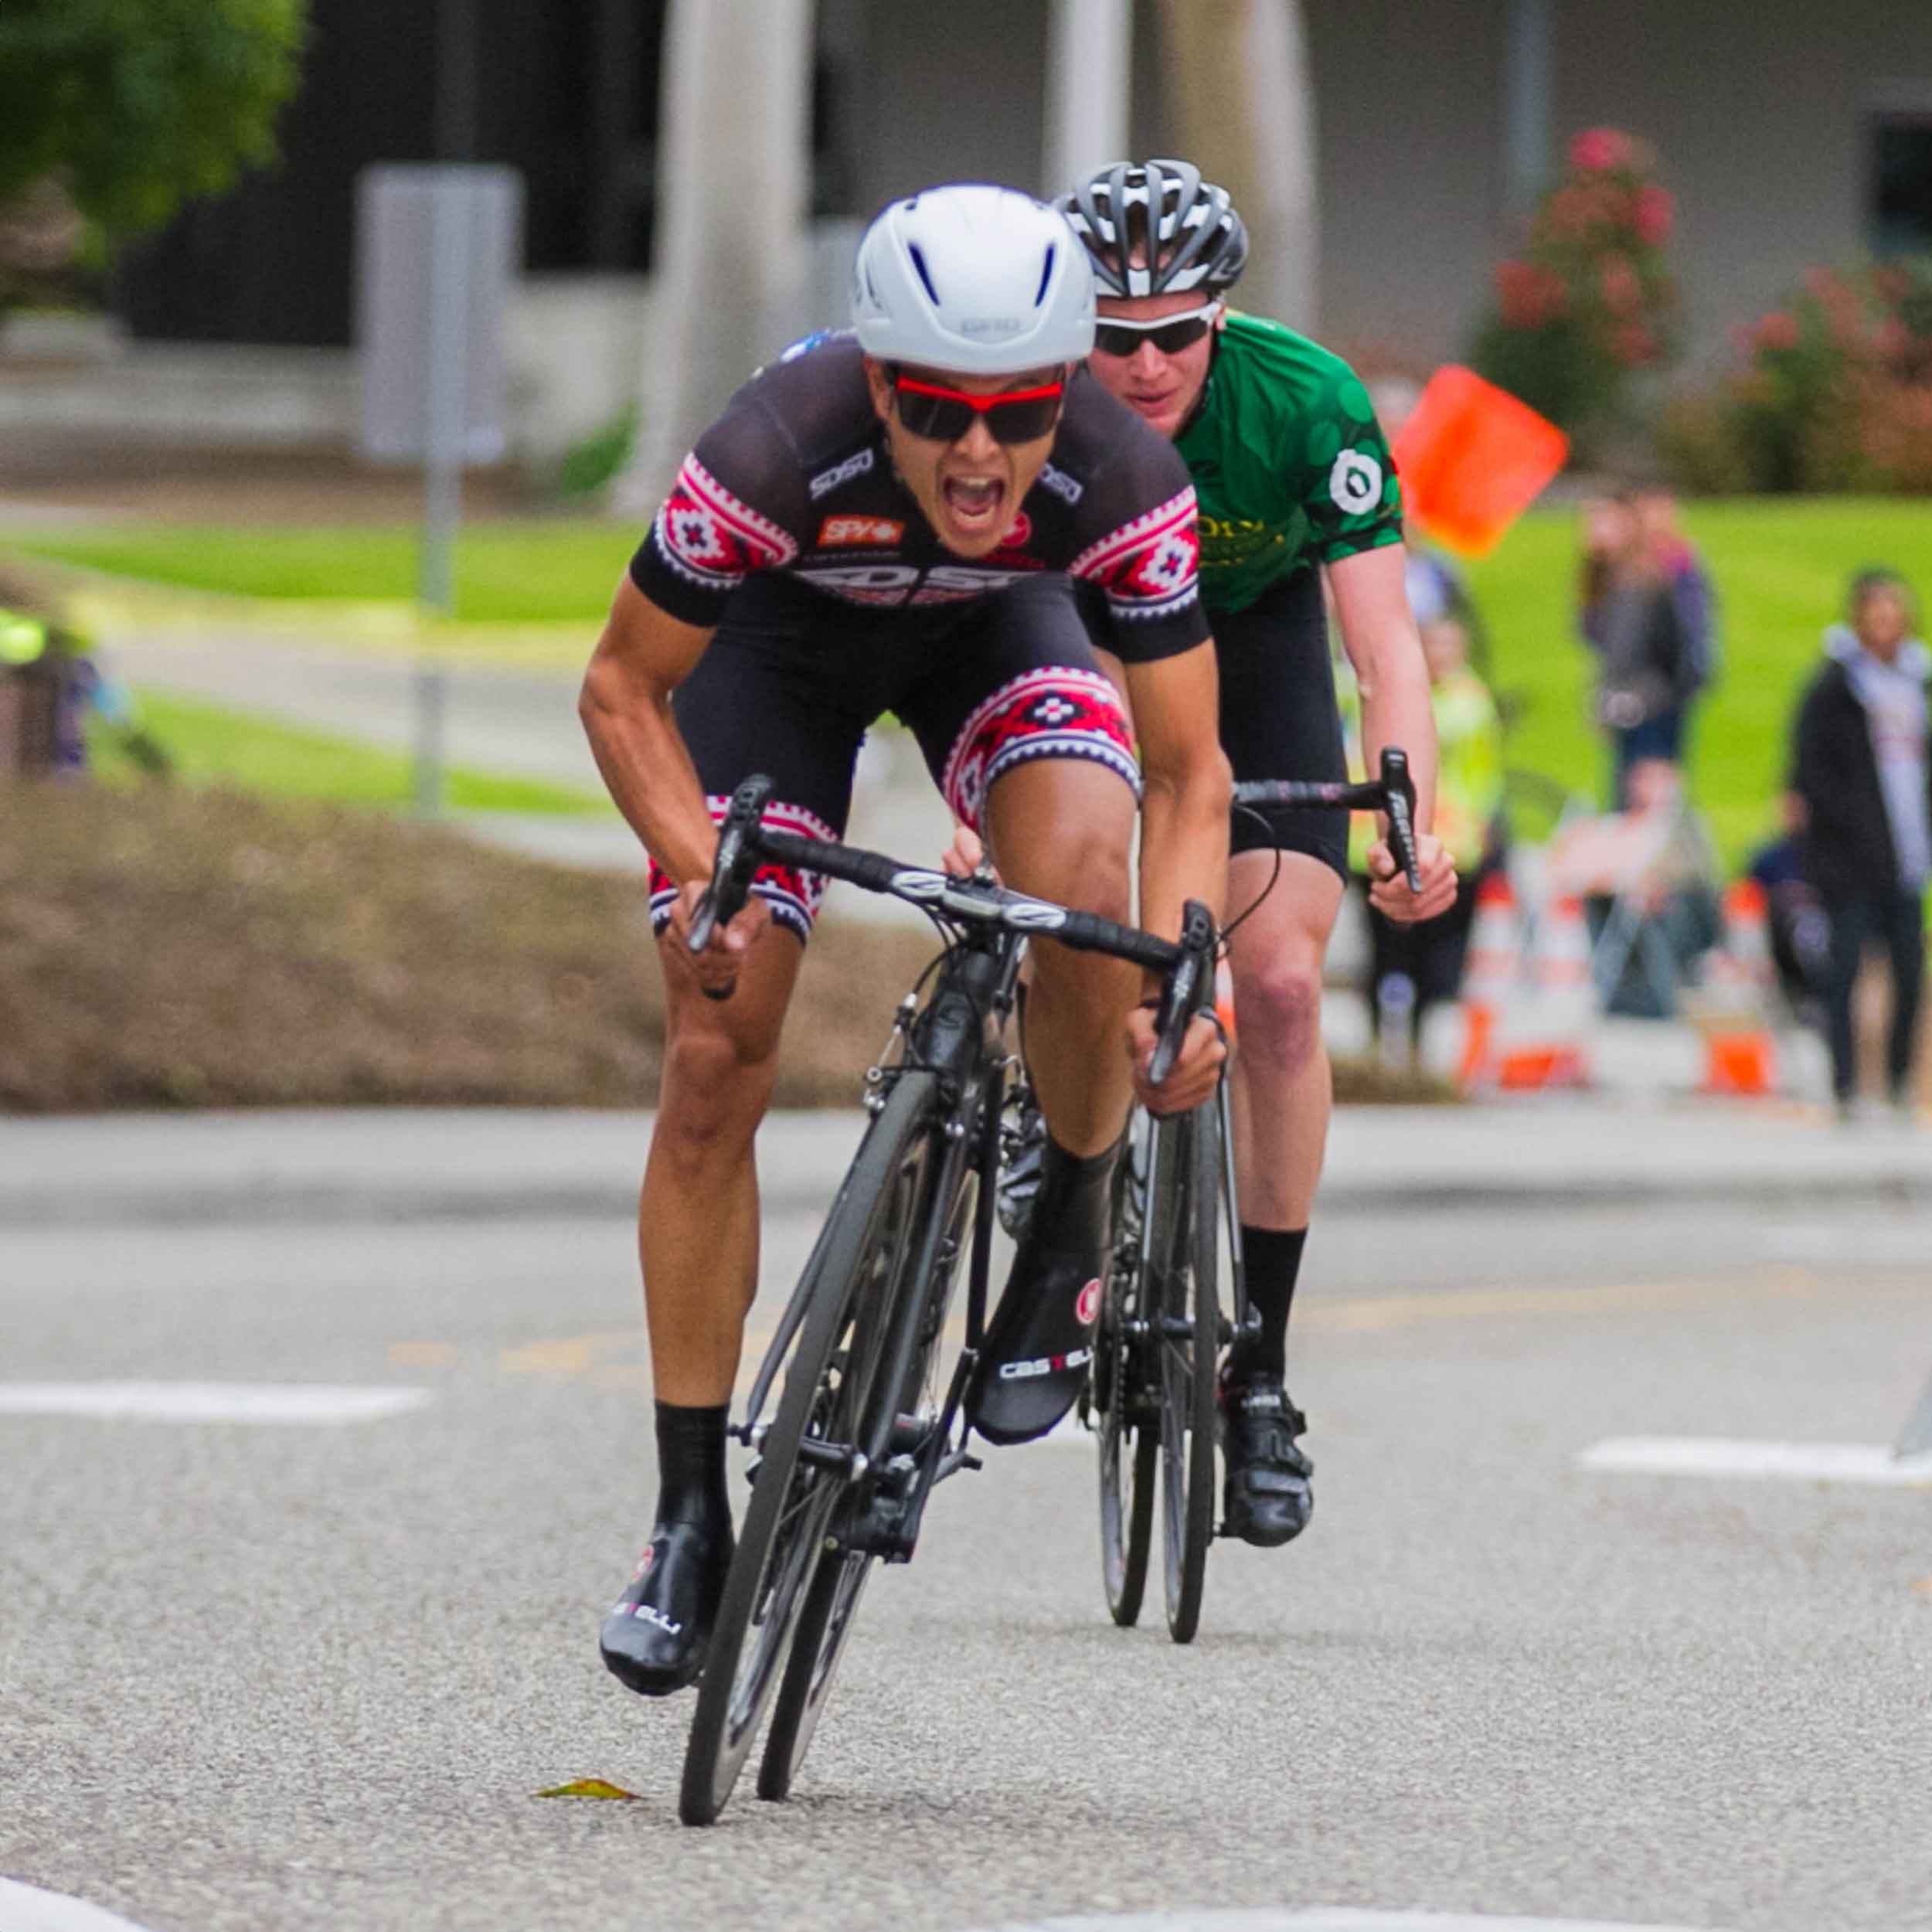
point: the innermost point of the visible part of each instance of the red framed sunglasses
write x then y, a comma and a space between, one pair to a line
943, 415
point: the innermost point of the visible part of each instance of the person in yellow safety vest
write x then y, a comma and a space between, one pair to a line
1413, 967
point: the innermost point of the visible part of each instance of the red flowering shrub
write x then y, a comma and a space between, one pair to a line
1832, 391
1588, 299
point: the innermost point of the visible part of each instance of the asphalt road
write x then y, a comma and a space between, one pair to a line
314, 1676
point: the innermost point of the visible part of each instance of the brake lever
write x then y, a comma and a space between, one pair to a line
1188, 987
737, 857
1398, 800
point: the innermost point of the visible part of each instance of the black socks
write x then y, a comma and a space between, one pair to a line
1272, 1260
1074, 1208
691, 1464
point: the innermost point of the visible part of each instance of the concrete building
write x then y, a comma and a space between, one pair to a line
1791, 134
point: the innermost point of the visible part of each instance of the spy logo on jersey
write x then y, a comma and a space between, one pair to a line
1355, 482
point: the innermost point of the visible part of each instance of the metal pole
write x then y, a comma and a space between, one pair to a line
1529, 91
443, 463
1087, 86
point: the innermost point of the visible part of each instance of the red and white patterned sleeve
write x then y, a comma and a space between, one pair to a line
1147, 567
726, 515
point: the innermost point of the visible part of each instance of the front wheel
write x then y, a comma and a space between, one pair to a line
1188, 1296
1128, 1422
793, 1500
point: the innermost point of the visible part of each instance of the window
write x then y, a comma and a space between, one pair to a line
1899, 216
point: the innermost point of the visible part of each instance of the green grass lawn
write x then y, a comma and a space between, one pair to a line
1780, 567
207, 745
531, 571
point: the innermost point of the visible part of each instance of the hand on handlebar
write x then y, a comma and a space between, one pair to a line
1196, 1070
1389, 891
715, 969
964, 856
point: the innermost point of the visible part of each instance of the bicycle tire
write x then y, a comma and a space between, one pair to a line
1189, 1340
839, 1580
1129, 1434
791, 1504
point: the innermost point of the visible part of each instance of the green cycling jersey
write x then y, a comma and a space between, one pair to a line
1287, 460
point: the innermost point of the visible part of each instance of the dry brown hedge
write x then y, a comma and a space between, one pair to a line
163, 947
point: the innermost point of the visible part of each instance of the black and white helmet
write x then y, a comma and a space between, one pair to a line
1184, 229
972, 279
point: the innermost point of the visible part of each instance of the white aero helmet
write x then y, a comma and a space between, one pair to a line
972, 280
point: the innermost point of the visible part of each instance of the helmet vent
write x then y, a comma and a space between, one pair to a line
1046, 275
925, 273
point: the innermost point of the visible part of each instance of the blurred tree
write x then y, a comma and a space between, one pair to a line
138, 105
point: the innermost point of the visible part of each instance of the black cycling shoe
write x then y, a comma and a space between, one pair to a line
656, 1634
1039, 1344
1268, 1496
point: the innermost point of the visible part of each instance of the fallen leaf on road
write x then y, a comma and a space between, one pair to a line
588, 1788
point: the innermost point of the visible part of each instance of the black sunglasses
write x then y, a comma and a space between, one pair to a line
944, 415
1170, 334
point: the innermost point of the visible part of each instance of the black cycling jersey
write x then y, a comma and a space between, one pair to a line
795, 480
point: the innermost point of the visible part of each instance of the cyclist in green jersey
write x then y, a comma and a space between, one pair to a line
1295, 482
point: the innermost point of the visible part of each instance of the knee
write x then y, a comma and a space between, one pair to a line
1084, 866
1279, 1010
714, 1093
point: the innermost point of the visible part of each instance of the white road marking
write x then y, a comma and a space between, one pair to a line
1325, 1919
1790, 1461
25, 1908
301, 1402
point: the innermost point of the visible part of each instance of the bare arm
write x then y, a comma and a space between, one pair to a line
1184, 829
1379, 632
642, 657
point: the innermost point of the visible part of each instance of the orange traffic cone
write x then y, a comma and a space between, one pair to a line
1557, 1052
1739, 1054
1489, 976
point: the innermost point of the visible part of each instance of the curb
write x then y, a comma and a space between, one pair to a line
163, 1205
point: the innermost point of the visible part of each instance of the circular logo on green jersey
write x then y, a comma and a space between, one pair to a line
1355, 482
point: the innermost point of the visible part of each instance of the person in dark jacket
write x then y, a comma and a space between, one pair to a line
1643, 606
1862, 774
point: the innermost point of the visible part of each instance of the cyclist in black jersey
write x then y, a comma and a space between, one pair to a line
896, 519
1295, 482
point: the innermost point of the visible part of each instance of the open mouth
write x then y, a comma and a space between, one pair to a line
974, 501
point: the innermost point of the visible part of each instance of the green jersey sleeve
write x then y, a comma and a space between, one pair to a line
1347, 477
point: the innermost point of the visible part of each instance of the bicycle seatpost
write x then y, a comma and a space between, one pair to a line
1399, 801
737, 860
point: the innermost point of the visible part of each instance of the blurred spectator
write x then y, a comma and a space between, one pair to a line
1861, 772
1414, 967
78, 682
1800, 927
1648, 877
1644, 606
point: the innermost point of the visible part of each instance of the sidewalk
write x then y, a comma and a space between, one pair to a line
1540, 1152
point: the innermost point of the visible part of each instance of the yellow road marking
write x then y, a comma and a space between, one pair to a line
422, 1355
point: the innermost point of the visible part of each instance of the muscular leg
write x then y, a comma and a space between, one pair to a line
1061, 829
698, 1220
1283, 1088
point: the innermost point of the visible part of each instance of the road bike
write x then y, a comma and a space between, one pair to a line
869, 1420
1176, 1295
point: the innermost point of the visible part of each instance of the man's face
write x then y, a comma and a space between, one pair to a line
969, 489
1160, 388
1883, 619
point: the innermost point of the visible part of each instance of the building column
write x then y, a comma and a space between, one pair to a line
1244, 108
734, 180
1529, 104
1088, 84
